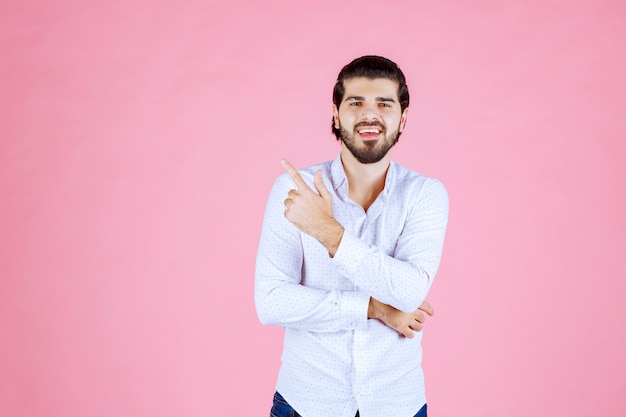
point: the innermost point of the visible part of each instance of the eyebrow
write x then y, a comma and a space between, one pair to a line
381, 99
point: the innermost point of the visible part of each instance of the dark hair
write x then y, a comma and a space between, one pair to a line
372, 67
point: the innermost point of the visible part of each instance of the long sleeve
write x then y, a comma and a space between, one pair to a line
280, 297
334, 359
403, 278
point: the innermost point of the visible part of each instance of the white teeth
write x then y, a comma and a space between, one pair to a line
368, 131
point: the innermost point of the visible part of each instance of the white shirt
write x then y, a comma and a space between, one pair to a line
335, 360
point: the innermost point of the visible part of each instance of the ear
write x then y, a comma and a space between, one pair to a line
336, 116
403, 120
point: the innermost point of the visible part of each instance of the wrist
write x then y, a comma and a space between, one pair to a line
331, 236
375, 309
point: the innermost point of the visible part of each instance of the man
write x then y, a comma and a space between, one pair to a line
347, 257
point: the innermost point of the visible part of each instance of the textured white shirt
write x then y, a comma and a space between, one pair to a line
335, 360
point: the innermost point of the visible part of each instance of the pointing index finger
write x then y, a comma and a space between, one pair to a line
294, 174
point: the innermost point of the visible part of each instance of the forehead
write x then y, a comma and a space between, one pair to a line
367, 87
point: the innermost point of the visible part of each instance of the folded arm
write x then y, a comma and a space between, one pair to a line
402, 279
391, 288
280, 297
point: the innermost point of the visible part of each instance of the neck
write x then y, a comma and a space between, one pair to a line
365, 181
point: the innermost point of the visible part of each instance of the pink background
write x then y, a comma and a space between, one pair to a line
139, 140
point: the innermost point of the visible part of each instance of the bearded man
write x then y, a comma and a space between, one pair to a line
346, 259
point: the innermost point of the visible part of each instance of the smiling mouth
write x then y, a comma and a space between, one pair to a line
368, 132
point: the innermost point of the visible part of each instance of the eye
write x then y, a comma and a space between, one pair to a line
355, 103
383, 104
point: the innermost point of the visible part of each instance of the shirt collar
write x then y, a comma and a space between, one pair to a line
340, 181
338, 175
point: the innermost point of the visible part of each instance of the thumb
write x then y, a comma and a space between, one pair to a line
319, 184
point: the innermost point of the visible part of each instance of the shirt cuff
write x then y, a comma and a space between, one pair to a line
353, 310
350, 253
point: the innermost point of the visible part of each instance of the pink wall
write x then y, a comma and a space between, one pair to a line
139, 141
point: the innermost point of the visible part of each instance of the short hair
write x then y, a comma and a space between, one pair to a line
372, 67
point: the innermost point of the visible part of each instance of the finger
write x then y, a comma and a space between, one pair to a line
319, 185
420, 317
427, 308
408, 333
294, 174
416, 326
292, 193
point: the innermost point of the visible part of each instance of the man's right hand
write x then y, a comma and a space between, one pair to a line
404, 323
311, 211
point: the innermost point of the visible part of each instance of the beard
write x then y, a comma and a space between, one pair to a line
370, 151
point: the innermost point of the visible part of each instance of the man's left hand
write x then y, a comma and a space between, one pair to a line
404, 323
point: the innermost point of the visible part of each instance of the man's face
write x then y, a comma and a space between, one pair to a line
369, 117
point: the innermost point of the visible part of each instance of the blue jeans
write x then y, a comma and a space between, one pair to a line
281, 408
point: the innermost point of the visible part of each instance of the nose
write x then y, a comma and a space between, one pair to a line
369, 113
